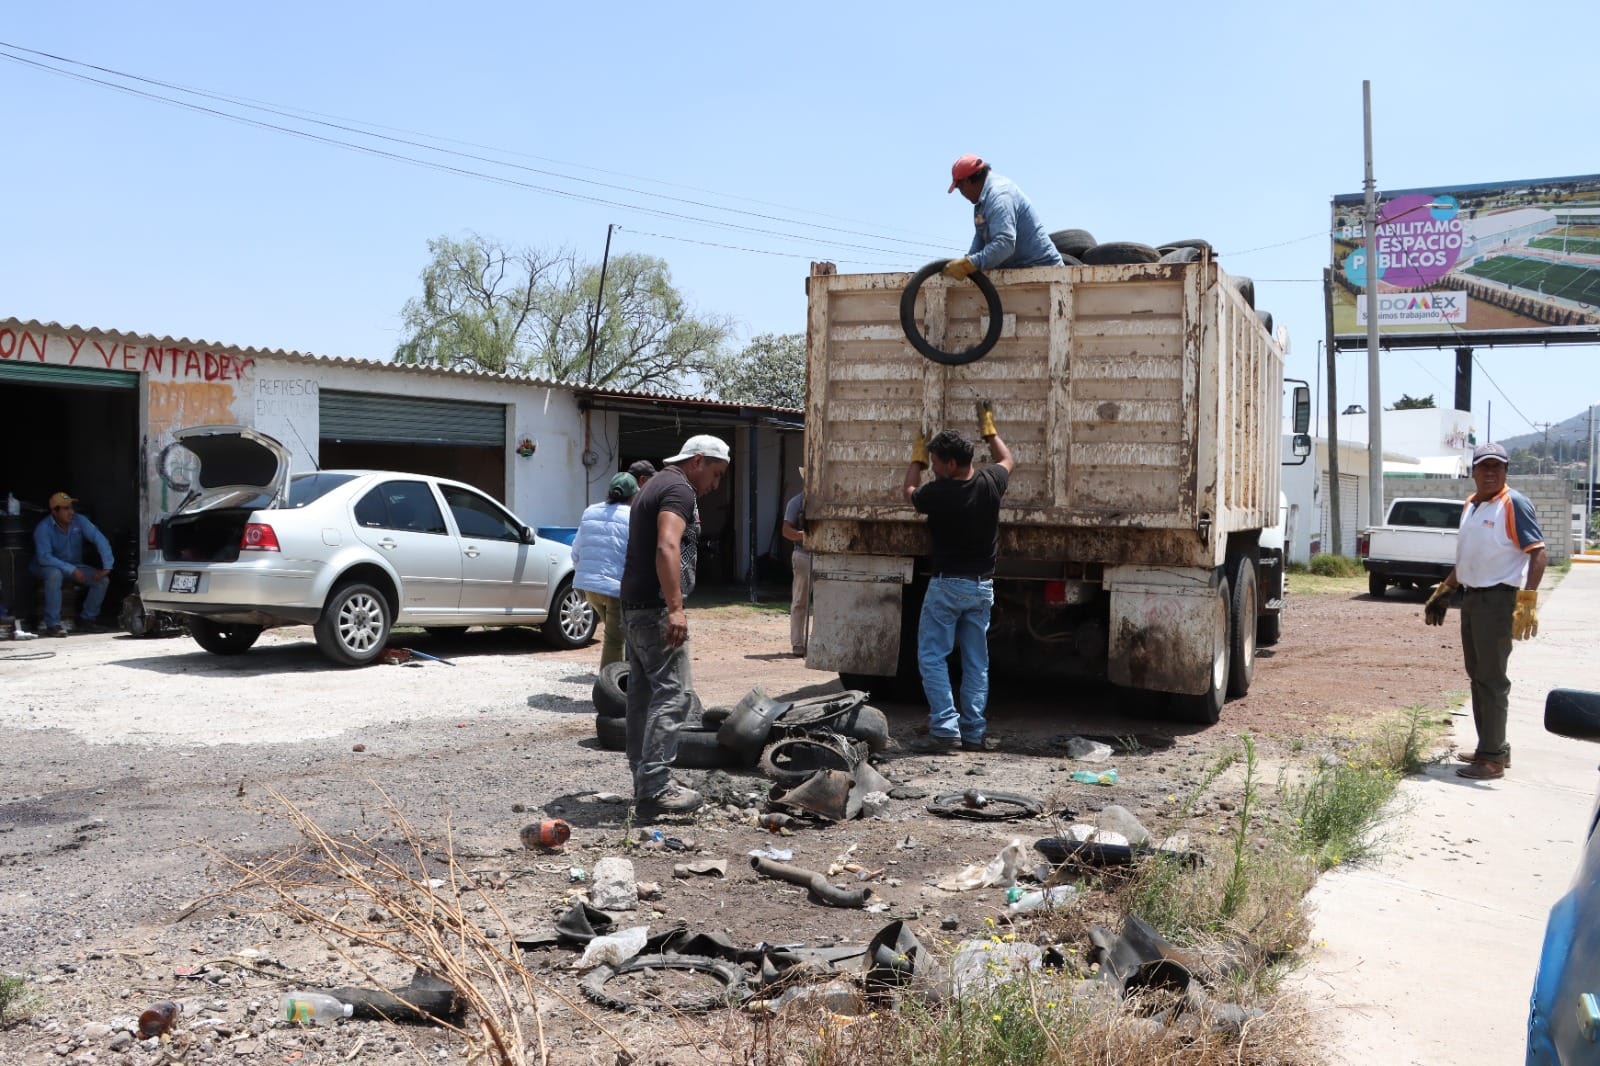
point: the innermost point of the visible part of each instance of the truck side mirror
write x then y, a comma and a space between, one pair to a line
1301, 445
1302, 416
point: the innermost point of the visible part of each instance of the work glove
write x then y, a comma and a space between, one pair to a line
1525, 620
986, 420
1434, 610
919, 448
960, 269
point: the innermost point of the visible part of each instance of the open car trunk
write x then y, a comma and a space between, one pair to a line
238, 471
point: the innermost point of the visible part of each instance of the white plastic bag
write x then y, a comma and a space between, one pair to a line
998, 872
613, 949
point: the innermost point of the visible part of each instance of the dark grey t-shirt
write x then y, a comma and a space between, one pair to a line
670, 491
964, 520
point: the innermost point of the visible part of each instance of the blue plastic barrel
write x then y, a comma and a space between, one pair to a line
565, 534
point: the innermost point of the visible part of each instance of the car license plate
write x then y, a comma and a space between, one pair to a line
185, 581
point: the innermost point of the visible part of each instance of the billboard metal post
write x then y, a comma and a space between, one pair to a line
1374, 395
1332, 502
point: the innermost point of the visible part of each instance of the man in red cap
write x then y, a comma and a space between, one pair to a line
1007, 232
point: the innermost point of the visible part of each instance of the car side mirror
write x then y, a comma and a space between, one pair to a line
528, 535
1302, 411
1301, 445
1571, 712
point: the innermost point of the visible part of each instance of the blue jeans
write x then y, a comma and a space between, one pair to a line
658, 699
955, 613
53, 579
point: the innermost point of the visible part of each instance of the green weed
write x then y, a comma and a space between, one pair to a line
17, 1001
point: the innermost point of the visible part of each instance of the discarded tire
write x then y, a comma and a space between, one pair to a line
611, 690
1120, 252
820, 711
1246, 287
611, 732
699, 750
793, 759
867, 724
1180, 255
981, 805
596, 984
1073, 242
1070, 260
1196, 243
713, 717
1266, 320
908, 318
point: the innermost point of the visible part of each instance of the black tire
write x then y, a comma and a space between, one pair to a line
1242, 626
1206, 708
223, 638
1377, 585
711, 718
1266, 320
1180, 255
1120, 252
867, 724
611, 732
819, 712
1073, 242
572, 622
699, 750
1246, 288
611, 690
354, 626
1197, 243
133, 618
1001, 806
908, 318
444, 632
794, 759
1071, 261
734, 990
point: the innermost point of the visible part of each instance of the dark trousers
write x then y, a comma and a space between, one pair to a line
1486, 646
659, 688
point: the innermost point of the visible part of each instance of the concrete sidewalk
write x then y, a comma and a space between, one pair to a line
1429, 955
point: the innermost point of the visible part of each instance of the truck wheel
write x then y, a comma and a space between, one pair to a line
1206, 708
1376, 585
908, 318
223, 638
1242, 627
354, 625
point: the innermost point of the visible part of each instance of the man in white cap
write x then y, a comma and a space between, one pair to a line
1500, 560
659, 572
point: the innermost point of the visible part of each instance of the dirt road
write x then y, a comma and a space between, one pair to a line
135, 766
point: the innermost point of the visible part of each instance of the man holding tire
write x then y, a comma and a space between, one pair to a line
1006, 231
659, 572
963, 509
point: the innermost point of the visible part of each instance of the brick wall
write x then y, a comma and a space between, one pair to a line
1551, 498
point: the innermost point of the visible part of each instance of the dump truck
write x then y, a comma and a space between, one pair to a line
1143, 404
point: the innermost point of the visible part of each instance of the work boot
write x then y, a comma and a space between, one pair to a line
674, 799
53, 631
92, 625
936, 745
983, 744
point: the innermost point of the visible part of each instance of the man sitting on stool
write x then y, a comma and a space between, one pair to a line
58, 557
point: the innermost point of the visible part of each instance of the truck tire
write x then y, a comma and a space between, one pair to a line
1180, 255
1120, 252
354, 626
223, 638
1206, 708
1246, 288
1242, 626
1266, 320
1377, 585
908, 318
1073, 242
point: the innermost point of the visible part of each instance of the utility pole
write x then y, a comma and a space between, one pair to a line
1374, 394
599, 303
1332, 502
1546, 455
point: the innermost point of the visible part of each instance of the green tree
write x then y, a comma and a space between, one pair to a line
770, 370
527, 311
1414, 403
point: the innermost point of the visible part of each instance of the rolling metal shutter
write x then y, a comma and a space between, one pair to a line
53, 374
364, 416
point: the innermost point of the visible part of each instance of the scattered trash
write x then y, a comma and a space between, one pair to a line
908, 792
835, 997
358, 747
1140, 959
159, 1019
894, 956
649, 890
731, 977
1096, 852
1047, 900
774, 853
1119, 819
775, 821
980, 966
425, 1000
549, 833
613, 949
1095, 777
874, 803
576, 875
817, 885
611, 885
312, 1008
1089, 834
424, 655
705, 867
985, 806
1086, 750
998, 872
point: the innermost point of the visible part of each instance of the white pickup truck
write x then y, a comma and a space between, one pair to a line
1415, 547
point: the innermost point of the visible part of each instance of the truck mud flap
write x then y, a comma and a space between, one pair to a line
1163, 628
855, 613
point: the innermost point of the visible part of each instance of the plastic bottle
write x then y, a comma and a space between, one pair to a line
1095, 777
312, 1008
159, 1019
1049, 899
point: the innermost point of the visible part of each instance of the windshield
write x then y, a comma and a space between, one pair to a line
304, 488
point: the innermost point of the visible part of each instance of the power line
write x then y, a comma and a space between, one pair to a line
756, 251
1479, 364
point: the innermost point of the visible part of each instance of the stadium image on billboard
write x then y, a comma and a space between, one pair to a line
1512, 260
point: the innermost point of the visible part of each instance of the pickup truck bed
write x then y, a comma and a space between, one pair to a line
1416, 547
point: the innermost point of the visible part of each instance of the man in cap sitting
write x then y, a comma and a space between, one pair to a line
58, 557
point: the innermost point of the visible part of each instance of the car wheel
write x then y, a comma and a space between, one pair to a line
223, 638
1206, 708
1242, 627
572, 622
1376, 585
354, 626
611, 690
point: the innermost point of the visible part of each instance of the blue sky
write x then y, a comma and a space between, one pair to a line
1233, 122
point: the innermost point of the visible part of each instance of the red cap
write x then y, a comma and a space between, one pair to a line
964, 167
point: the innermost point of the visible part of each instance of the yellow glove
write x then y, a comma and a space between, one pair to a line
959, 268
986, 420
1433, 611
1525, 620
919, 448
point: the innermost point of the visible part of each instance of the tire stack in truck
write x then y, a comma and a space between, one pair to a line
1079, 248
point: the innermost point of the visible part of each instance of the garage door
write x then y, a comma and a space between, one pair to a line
364, 416
1349, 501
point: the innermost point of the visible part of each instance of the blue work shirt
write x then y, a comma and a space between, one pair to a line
1006, 232
63, 548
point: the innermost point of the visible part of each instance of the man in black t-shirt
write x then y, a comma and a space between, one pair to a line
659, 572
963, 509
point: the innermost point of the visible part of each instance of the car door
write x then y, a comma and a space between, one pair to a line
500, 574
400, 519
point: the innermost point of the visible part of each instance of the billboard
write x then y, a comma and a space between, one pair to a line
1502, 261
